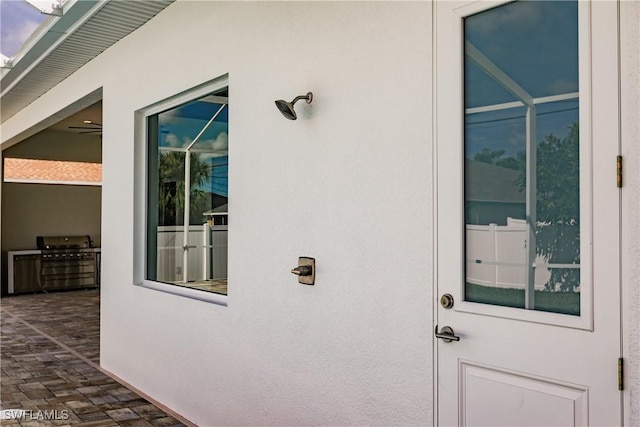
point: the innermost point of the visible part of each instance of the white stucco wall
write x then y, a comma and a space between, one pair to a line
57, 145
630, 90
30, 210
355, 348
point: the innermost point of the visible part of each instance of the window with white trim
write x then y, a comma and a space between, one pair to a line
187, 192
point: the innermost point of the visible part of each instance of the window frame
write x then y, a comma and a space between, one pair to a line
141, 191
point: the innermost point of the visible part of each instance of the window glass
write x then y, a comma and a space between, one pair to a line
187, 214
522, 180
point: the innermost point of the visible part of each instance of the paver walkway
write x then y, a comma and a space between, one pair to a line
49, 354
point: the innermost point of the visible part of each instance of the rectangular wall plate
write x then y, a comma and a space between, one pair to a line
310, 278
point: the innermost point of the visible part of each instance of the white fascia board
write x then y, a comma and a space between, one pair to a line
52, 32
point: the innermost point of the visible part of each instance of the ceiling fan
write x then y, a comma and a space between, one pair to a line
92, 127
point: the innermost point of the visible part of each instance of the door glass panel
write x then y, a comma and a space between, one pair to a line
522, 186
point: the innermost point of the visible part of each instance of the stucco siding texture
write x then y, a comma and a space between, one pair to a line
355, 348
630, 94
30, 210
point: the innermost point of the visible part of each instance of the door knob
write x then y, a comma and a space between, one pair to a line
446, 334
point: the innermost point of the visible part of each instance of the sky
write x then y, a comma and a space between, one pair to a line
18, 20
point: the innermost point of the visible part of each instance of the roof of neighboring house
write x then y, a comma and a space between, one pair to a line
485, 182
53, 171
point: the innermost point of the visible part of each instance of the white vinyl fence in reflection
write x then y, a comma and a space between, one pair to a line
207, 253
497, 256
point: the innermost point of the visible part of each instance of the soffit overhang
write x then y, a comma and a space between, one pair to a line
64, 44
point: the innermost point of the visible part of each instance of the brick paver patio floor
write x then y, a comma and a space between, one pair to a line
50, 349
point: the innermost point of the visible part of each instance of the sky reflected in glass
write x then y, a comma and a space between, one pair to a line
520, 249
536, 45
533, 42
180, 126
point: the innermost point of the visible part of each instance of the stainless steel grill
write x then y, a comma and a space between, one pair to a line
67, 262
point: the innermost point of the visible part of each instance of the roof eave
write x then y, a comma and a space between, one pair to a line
52, 54
51, 33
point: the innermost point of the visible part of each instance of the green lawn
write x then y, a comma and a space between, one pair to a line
556, 302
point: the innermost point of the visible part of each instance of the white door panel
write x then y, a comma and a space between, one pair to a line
527, 213
518, 399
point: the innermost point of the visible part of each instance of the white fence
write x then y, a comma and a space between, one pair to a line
207, 253
497, 256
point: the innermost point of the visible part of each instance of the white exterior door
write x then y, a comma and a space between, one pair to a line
527, 214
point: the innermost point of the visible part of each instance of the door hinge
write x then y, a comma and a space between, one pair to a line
619, 171
620, 374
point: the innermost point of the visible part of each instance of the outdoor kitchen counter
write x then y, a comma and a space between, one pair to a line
11, 259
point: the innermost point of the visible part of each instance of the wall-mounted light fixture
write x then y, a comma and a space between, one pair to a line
286, 108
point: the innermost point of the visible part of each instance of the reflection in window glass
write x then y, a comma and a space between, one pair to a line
188, 160
522, 157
